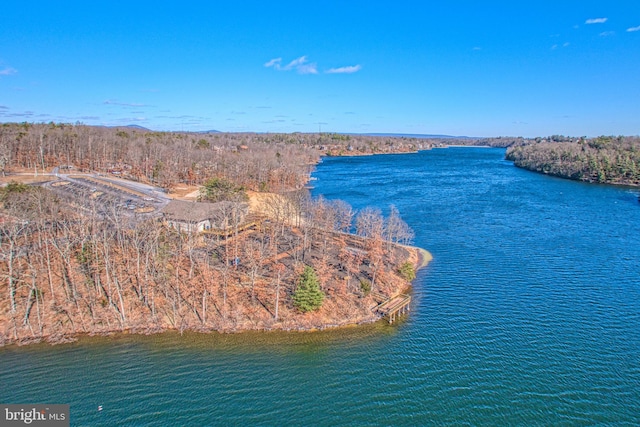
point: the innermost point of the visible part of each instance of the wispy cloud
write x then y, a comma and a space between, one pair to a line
182, 117
607, 33
7, 71
130, 120
275, 62
633, 29
301, 65
307, 69
23, 114
298, 62
345, 70
596, 21
123, 104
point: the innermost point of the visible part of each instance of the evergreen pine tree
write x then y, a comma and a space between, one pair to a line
308, 296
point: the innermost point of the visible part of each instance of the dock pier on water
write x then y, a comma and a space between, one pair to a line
394, 307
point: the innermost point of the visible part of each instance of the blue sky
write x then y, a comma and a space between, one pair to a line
459, 67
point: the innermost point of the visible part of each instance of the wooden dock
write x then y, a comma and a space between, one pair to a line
394, 307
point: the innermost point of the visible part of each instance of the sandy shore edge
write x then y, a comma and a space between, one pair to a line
424, 258
419, 257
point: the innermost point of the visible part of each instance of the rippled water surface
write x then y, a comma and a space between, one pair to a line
529, 314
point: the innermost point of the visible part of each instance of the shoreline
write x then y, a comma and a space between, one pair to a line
424, 257
629, 185
60, 339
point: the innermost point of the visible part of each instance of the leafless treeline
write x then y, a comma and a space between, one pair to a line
258, 162
263, 162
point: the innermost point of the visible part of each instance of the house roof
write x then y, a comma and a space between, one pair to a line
184, 211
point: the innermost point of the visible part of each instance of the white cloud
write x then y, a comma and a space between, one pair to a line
300, 64
596, 21
7, 71
607, 33
275, 62
295, 63
345, 70
556, 46
307, 69
632, 29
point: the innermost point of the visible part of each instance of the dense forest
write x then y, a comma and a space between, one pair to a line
262, 162
160, 158
73, 265
605, 159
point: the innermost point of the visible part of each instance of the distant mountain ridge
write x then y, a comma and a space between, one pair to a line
138, 127
391, 135
142, 128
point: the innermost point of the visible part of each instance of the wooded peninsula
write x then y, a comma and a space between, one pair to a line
107, 230
605, 159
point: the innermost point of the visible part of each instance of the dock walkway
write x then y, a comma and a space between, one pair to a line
394, 307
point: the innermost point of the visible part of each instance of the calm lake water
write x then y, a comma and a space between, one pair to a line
529, 314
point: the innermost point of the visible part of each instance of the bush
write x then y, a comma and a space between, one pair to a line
220, 189
407, 272
308, 295
365, 286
